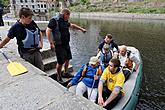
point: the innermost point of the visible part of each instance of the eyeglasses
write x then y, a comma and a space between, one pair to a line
106, 49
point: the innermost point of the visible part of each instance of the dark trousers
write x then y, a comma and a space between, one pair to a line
1, 21
106, 94
34, 57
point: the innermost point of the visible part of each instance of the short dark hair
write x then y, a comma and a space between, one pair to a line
109, 36
116, 62
26, 12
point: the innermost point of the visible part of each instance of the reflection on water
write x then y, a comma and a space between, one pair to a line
147, 36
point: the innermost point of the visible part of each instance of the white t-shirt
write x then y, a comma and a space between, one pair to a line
132, 57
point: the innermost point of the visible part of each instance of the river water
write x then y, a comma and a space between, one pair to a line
147, 36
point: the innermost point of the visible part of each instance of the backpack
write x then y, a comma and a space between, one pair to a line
128, 53
129, 62
98, 72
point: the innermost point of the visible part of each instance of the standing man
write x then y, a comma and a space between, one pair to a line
114, 79
29, 38
59, 27
1, 19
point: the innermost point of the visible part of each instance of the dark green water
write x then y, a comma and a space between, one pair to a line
147, 36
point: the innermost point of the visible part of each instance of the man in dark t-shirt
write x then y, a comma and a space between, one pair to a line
29, 38
108, 40
59, 27
112, 45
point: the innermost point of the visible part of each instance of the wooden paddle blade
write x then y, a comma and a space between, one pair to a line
15, 68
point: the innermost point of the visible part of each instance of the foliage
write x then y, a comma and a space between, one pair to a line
85, 2
146, 6
146, 10
5, 2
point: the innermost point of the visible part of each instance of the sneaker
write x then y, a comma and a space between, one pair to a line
67, 75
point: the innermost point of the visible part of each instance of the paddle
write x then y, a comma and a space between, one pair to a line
92, 89
14, 68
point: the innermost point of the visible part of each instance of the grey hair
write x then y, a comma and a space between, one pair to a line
123, 47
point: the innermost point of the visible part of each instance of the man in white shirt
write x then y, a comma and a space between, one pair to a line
127, 58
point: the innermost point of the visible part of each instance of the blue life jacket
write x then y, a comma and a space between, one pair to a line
56, 32
32, 39
105, 58
86, 75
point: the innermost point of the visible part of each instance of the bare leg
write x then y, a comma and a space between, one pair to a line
66, 74
59, 68
66, 64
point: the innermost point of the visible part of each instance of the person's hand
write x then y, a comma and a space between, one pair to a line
52, 46
105, 104
100, 101
84, 30
96, 77
69, 85
40, 45
115, 55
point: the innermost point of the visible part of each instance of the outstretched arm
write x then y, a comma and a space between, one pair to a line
4, 41
74, 26
98, 54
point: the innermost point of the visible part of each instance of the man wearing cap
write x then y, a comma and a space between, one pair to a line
87, 79
105, 55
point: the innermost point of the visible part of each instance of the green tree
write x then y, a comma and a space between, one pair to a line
4, 2
84, 2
